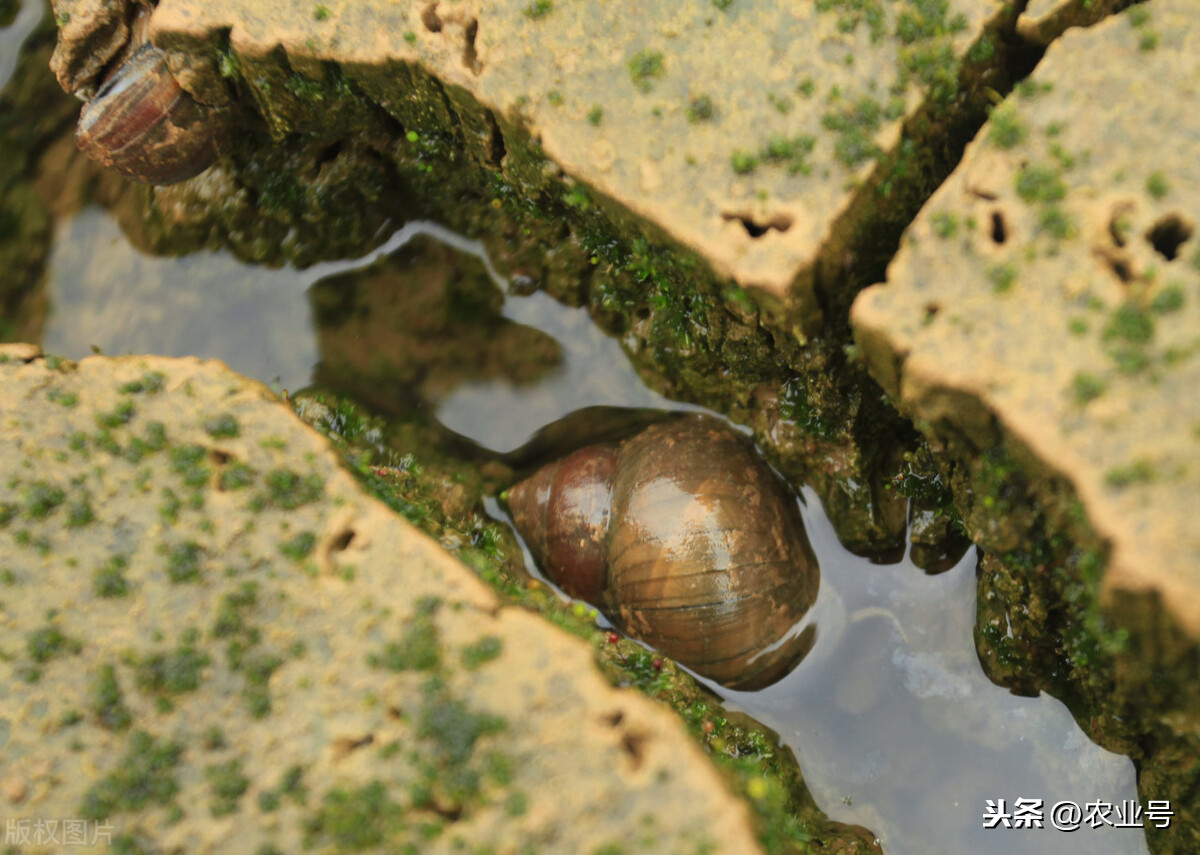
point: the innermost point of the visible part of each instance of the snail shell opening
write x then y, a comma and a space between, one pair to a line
686, 539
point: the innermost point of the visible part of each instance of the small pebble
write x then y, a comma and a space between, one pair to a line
14, 789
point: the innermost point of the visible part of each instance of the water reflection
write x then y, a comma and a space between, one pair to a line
898, 729
594, 370
12, 37
105, 294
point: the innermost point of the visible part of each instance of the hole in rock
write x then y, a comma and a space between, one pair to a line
756, 228
496, 148
632, 743
1168, 234
999, 229
429, 17
344, 745
613, 719
449, 812
220, 457
470, 59
327, 155
1118, 264
931, 310
1119, 223
340, 542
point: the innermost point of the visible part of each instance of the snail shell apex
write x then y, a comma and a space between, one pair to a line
142, 124
563, 512
686, 539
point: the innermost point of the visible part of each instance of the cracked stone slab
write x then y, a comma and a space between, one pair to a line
754, 134
214, 641
1053, 284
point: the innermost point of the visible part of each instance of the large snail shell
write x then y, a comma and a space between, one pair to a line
686, 539
142, 124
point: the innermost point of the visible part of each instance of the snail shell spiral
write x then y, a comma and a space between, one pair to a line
143, 124
686, 540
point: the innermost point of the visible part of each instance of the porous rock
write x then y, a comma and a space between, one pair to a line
1049, 292
215, 641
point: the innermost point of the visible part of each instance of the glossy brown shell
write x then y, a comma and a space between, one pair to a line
702, 550
563, 512
142, 124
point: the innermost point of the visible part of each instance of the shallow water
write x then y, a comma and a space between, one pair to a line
14, 35
891, 716
105, 295
898, 729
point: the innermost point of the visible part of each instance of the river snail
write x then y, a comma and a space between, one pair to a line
686, 540
143, 124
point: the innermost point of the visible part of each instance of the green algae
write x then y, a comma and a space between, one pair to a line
700, 109
644, 66
856, 125
298, 547
1005, 128
107, 706
49, 643
40, 498
354, 820
1157, 185
1087, 387
171, 673
224, 426
144, 776
183, 561
481, 652
236, 476
150, 383
288, 489
417, 649
122, 414
189, 462
227, 784
109, 579
80, 512
1040, 184
539, 9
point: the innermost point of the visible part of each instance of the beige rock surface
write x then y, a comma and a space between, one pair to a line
745, 131
1052, 287
214, 641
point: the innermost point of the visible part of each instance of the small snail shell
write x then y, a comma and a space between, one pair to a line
142, 124
686, 540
